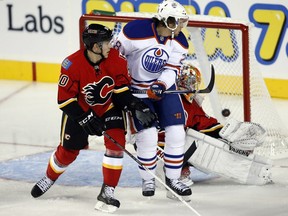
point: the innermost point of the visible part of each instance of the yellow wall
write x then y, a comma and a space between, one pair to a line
15, 70
47, 72
277, 87
42, 72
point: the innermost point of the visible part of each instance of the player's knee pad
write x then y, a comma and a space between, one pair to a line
60, 160
119, 136
64, 156
146, 140
174, 136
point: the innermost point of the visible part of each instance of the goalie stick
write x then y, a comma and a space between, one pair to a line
150, 172
208, 89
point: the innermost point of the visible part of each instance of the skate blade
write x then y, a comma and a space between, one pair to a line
103, 207
173, 197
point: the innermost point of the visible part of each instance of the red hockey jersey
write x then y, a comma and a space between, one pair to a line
196, 117
92, 85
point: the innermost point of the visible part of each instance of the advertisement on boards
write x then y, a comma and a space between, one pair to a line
47, 31
268, 17
39, 30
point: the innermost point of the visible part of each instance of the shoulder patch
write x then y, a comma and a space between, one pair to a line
66, 64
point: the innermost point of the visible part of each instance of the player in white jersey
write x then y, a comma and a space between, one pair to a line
155, 49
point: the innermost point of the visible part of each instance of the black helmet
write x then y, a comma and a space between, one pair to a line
95, 33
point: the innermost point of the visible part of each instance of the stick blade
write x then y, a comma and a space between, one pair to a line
210, 86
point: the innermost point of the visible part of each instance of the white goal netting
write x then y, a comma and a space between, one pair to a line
239, 85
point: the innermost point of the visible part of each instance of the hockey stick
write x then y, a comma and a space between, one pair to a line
189, 152
150, 172
208, 89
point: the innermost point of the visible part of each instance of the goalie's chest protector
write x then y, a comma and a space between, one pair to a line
148, 53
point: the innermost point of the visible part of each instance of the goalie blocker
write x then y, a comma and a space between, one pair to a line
215, 156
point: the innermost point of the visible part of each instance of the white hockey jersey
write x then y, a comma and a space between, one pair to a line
151, 57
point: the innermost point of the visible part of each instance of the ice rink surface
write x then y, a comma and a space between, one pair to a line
29, 132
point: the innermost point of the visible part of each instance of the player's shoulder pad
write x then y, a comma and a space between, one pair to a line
68, 61
182, 40
115, 55
138, 29
117, 61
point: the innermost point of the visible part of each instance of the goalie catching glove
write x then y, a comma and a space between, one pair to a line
243, 135
91, 123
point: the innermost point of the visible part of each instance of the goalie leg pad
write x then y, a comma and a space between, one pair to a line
213, 156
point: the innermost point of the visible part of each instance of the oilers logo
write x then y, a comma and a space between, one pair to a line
154, 60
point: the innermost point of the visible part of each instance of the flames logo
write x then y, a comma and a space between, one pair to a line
98, 93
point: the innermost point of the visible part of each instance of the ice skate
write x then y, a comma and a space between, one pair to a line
179, 188
148, 187
41, 187
106, 200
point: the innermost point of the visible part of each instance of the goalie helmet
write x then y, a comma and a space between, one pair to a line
172, 9
189, 79
96, 33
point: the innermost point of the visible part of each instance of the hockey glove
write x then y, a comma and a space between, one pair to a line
91, 123
143, 113
156, 90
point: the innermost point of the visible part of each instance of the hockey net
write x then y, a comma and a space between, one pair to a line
240, 91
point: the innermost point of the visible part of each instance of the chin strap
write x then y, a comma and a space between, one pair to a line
172, 36
171, 29
95, 65
101, 51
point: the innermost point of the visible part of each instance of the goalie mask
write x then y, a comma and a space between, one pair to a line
170, 10
96, 33
189, 79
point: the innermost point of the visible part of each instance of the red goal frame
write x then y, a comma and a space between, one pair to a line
193, 23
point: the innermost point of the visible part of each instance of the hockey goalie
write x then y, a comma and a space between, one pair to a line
225, 150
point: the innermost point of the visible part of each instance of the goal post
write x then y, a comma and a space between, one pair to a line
240, 91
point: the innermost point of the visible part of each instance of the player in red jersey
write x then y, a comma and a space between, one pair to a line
93, 92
